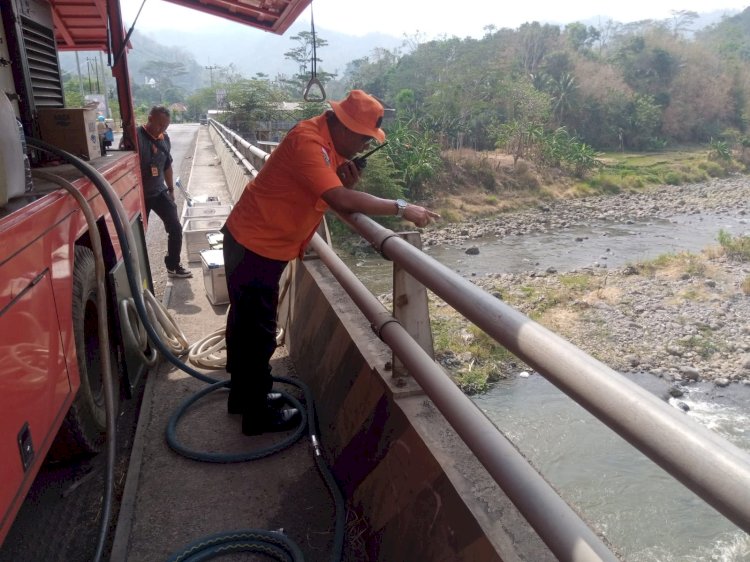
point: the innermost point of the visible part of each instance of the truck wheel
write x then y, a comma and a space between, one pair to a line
85, 425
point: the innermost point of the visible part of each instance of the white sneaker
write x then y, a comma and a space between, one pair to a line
179, 271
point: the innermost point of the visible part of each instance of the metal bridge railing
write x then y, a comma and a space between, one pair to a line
709, 465
254, 155
712, 467
562, 530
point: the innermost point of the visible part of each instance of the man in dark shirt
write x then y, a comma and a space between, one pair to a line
158, 184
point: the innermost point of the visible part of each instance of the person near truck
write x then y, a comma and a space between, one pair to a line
272, 223
106, 136
154, 148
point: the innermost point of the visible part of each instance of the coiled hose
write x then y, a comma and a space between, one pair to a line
205, 353
135, 334
129, 249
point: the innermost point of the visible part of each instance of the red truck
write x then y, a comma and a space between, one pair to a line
51, 393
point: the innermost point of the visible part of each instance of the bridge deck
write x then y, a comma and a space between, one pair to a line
171, 501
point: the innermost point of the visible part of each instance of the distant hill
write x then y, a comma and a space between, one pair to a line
250, 51
145, 50
253, 51
704, 19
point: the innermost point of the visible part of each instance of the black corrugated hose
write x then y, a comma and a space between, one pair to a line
268, 542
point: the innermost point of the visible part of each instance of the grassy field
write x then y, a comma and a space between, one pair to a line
479, 184
632, 171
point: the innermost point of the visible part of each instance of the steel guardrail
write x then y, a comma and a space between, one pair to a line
709, 465
558, 525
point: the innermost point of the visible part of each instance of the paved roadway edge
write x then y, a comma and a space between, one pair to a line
126, 513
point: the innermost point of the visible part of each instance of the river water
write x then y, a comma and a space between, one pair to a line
598, 244
643, 511
646, 514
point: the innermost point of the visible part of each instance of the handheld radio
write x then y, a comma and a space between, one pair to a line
361, 161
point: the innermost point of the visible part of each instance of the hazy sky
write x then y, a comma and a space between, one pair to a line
435, 17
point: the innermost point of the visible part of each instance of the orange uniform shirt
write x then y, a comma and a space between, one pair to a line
279, 210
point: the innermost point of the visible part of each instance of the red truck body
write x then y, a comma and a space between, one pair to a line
39, 374
41, 368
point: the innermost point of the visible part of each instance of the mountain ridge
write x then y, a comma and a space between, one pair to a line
252, 51
215, 47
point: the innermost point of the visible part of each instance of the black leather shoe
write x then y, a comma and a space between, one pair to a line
274, 400
271, 421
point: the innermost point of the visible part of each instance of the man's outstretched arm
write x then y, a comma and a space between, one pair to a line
345, 201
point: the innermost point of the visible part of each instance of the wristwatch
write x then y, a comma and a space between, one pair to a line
400, 207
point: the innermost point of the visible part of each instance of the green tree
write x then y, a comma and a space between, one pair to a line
161, 88
648, 64
557, 63
644, 125
305, 55
227, 74
199, 102
415, 154
164, 72
682, 21
147, 95
406, 102
562, 93
534, 42
253, 102
72, 90
371, 73
580, 37
381, 178
528, 110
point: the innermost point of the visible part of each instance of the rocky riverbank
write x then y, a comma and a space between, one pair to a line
686, 318
685, 322
731, 196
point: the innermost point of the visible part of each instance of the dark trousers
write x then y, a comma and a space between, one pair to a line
253, 284
164, 206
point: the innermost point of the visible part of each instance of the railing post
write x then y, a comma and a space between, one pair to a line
410, 307
325, 234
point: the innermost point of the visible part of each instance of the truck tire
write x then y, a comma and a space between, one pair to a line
84, 428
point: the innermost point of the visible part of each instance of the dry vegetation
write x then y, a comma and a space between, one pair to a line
480, 184
475, 184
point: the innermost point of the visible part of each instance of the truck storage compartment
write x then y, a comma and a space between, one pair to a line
34, 380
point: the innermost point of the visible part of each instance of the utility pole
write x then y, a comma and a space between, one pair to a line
80, 78
211, 73
96, 73
95, 63
104, 88
88, 68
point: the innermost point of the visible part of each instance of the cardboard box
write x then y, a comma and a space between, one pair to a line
214, 276
73, 130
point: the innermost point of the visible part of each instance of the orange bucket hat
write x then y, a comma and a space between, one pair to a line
361, 113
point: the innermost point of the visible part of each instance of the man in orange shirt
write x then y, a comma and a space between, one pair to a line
277, 214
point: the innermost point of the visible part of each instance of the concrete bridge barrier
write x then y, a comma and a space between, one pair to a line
418, 491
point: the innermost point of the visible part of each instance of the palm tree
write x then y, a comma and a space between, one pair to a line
562, 91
